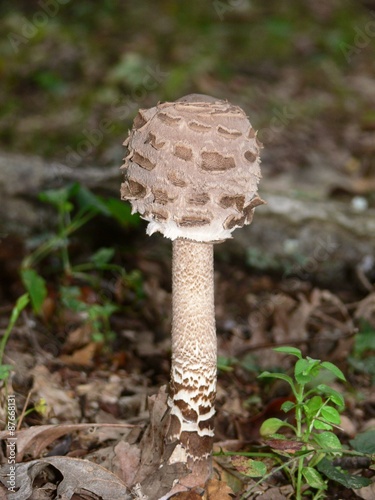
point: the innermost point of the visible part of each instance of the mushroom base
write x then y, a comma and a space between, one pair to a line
194, 359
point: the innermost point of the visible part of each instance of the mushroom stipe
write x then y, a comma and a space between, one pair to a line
192, 172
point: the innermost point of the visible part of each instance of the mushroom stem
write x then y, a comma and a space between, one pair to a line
194, 355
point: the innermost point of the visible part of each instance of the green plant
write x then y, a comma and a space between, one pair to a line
362, 358
58, 241
313, 413
65, 201
40, 407
229, 363
62, 201
75, 206
17, 309
306, 457
96, 315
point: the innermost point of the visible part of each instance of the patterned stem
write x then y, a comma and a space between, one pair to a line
194, 351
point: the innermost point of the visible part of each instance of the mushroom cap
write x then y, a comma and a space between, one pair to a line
193, 168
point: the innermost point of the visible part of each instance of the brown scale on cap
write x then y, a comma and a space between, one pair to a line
201, 153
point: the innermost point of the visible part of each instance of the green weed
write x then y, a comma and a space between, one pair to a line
75, 206
362, 358
306, 452
17, 309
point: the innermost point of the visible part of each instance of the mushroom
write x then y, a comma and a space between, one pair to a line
192, 171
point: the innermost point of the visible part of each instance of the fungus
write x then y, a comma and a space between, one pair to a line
192, 172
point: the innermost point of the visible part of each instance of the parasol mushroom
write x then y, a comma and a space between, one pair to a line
192, 171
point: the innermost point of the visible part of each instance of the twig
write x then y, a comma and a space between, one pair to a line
24, 410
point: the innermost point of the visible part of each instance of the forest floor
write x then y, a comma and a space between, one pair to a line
87, 358
65, 378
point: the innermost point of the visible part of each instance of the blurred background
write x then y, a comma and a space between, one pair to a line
73, 74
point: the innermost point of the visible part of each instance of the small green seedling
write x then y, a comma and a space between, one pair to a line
40, 407
313, 413
306, 456
97, 316
362, 358
75, 206
18, 308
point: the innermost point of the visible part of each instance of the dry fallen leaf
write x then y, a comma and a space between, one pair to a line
48, 386
248, 428
35, 439
158, 477
77, 338
357, 186
187, 495
284, 445
366, 309
3, 495
218, 490
79, 477
126, 462
229, 473
273, 494
81, 357
152, 443
367, 493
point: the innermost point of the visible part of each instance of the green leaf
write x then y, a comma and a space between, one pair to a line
301, 367
249, 363
249, 467
331, 415
313, 405
256, 468
287, 406
41, 406
328, 440
122, 212
333, 369
280, 376
36, 287
302, 371
56, 197
364, 442
71, 298
276, 436
225, 363
313, 478
5, 371
365, 365
270, 426
365, 339
102, 256
348, 480
21, 303
101, 311
322, 426
88, 201
16, 311
334, 395
289, 350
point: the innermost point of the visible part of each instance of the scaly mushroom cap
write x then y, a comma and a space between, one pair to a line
193, 168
